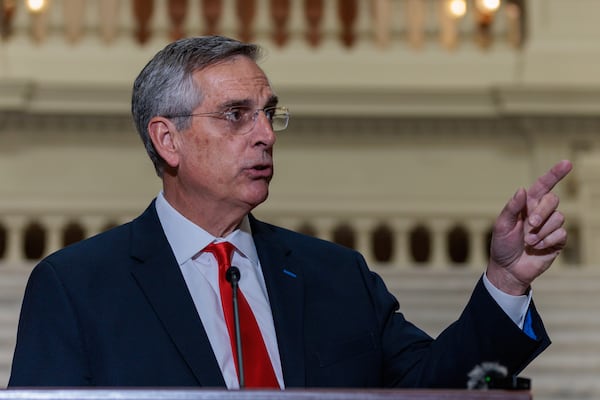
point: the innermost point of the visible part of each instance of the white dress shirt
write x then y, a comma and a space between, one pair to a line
515, 307
200, 271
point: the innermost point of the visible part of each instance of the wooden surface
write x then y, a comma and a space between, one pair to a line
290, 394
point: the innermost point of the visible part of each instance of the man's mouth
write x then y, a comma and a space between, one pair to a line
261, 170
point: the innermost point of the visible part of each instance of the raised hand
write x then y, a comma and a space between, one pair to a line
528, 234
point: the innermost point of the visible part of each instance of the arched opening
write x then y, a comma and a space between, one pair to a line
72, 233
420, 244
382, 243
344, 235
35, 241
458, 245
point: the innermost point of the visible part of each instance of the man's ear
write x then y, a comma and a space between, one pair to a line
163, 135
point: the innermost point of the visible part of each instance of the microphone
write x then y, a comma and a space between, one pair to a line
491, 375
233, 276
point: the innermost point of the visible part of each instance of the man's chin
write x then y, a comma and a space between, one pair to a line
257, 198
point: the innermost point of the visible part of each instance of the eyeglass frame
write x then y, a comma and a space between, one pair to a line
225, 115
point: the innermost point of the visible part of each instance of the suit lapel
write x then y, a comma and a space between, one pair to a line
285, 287
160, 278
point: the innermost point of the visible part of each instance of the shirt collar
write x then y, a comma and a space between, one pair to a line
187, 239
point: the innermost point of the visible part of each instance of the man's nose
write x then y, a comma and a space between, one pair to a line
263, 126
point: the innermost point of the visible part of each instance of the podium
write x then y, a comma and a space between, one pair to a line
251, 394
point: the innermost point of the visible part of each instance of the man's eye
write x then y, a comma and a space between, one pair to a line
236, 114
270, 112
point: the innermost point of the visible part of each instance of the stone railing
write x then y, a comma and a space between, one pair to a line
348, 23
417, 239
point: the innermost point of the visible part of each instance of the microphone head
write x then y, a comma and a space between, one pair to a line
485, 374
233, 274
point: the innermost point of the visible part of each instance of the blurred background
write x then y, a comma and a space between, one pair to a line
413, 122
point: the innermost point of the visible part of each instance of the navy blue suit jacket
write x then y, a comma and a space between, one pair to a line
114, 310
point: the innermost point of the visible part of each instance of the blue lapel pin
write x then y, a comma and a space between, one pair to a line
290, 273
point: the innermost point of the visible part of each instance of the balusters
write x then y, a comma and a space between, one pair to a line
382, 18
478, 229
212, 11
313, 11
108, 12
7, 12
364, 228
439, 252
177, 10
142, 12
73, 13
52, 226
347, 12
515, 18
15, 227
448, 34
389, 19
415, 23
360, 230
280, 13
483, 27
39, 23
246, 11
400, 242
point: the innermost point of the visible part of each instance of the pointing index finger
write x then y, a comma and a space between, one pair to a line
546, 182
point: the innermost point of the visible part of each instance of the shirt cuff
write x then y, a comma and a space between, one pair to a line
514, 306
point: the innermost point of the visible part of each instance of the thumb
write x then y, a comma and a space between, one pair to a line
511, 215
507, 238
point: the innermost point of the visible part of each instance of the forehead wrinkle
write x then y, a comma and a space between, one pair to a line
272, 101
240, 91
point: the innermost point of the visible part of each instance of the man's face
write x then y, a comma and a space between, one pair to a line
217, 164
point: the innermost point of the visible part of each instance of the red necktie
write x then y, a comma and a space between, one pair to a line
258, 370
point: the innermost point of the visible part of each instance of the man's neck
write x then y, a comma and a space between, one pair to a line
214, 219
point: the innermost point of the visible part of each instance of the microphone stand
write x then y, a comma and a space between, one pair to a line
233, 276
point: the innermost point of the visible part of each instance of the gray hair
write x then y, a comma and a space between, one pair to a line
166, 86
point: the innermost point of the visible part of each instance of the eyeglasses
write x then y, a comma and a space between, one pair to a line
241, 120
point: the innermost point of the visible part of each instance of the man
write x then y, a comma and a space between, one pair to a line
146, 304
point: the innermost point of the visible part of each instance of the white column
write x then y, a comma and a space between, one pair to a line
439, 244
15, 226
73, 18
382, 16
39, 23
415, 23
324, 227
363, 228
401, 243
448, 26
108, 18
53, 224
92, 224
478, 229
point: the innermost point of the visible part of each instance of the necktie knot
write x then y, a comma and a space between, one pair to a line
222, 252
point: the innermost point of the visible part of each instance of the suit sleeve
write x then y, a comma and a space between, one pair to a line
49, 349
482, 333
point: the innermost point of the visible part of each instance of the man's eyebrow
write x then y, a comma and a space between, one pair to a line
271, 102
236, 103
